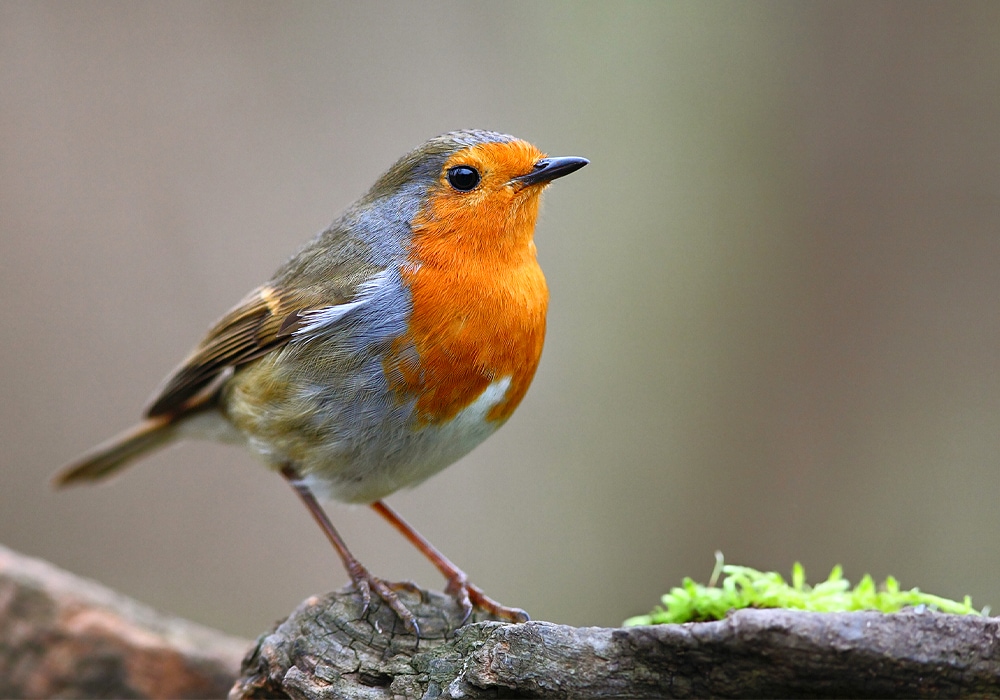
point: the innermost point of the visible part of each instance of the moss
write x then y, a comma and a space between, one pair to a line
743, 587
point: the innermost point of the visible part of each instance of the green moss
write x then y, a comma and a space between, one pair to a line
743, 587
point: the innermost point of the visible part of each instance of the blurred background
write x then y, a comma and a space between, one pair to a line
775, 316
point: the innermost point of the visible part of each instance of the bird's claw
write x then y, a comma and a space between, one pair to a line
471, 597
366, 584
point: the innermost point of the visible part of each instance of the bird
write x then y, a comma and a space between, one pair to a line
385, 349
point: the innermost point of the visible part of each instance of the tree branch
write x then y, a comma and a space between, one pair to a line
65, 636
324, 651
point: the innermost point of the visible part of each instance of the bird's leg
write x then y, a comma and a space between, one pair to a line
360, 576
466, 594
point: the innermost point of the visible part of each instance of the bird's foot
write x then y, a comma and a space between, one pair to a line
471, 597
366, 584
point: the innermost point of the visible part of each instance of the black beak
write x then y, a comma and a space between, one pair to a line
548, 169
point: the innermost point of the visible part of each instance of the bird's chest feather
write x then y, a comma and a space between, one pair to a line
472, 326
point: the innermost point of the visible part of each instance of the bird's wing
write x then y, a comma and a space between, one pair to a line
263, 321
268, 318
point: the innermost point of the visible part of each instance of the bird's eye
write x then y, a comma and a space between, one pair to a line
463, 178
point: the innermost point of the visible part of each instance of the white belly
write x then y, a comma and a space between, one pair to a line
417, 455
362, 470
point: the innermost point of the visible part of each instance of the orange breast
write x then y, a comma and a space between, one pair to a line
479, 302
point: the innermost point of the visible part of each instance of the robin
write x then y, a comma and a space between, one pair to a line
387, 348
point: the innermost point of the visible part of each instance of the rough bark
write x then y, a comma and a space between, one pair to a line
324, 651
61, 636
64, 636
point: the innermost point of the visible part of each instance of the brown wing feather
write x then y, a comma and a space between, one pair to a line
265, 320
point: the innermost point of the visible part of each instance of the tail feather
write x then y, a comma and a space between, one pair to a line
117, 453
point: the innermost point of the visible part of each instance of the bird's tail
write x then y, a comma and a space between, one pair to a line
115, 454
